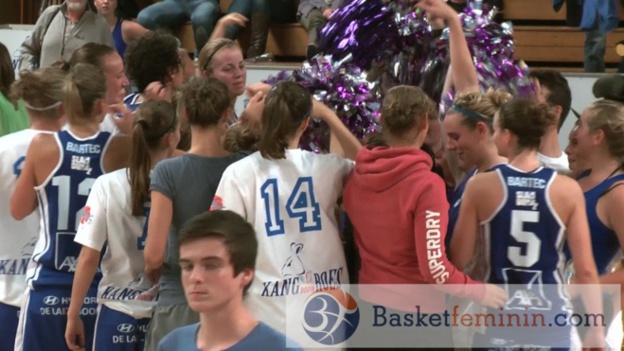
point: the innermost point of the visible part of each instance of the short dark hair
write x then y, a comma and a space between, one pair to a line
152, 58
559, 88
237, 234
7, 75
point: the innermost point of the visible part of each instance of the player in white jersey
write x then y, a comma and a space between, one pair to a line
290, 196
526, 212
115, 224
42, 92
59, 170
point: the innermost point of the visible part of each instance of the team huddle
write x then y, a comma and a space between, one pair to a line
145, 221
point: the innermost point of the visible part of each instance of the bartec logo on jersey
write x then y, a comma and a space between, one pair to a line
295, 275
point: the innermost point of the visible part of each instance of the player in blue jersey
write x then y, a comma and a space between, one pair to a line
597, 149
469, 130
525, 211
108, 60
119, 204
59, 170
42, 92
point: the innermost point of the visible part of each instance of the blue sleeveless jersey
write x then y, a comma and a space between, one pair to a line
455, 204
120, 44
62, 199
132, 101
605, 244
523, 245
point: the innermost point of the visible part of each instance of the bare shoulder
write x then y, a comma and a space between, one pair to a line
566, 188
483, 181
43, 145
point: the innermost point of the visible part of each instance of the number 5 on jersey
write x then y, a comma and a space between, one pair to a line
301, 204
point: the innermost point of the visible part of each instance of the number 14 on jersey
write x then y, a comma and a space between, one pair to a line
301, 204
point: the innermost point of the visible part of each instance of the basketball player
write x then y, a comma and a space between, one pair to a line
468, 127
289, 195
60, 170
596, 152
524, 210
42, 93
179, 188
118, 205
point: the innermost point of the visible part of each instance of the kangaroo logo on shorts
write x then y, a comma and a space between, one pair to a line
217, 203
86, 218
293, 265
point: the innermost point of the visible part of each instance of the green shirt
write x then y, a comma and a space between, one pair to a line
12, 120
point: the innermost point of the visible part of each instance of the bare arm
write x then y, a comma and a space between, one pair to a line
132, 31
466, 229
85, 271
463, 72
225, 21
614, 208
161, 215
348, 142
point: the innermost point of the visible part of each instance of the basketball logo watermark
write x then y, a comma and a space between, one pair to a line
330, 316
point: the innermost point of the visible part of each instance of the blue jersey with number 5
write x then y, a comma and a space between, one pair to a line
62, 199
525, 236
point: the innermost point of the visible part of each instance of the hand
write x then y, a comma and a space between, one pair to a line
437, 9
123, 118
153, 274
74, 331
254, 88
252, 115
327, 13
157, 91
233, 18
320, 110
495, 297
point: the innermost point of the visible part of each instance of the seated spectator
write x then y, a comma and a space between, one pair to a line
59, 31
313, 15
217, 256
124, 31
261, 13
174, 13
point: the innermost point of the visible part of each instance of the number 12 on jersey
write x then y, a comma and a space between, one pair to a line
301, 204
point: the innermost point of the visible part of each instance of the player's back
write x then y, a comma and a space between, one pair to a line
62, 197
18, 237
291, 203
524, 237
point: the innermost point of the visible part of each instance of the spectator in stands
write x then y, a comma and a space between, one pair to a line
172, 14
218, 252
313, 15
13, 117
553, 89
261, 13
59, 31
610, 87
123, 31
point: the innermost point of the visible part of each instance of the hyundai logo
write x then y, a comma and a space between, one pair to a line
125, 328
51, 300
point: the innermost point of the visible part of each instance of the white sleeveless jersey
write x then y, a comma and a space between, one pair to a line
292, 204
108, 224
17, 238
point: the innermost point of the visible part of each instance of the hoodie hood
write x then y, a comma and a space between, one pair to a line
381, 168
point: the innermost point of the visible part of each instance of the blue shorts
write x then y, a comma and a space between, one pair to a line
9, 315
117, 331
44, 317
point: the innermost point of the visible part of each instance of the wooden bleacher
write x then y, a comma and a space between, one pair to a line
541, 36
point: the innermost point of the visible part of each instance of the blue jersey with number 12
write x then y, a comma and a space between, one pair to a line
62, 199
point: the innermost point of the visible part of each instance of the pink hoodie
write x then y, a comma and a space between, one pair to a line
399, 212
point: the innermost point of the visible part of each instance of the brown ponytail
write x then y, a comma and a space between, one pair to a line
286, 107
154, 120
528, 120
84, 86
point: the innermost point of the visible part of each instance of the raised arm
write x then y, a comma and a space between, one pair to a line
225, 21
347, 141
463, 72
